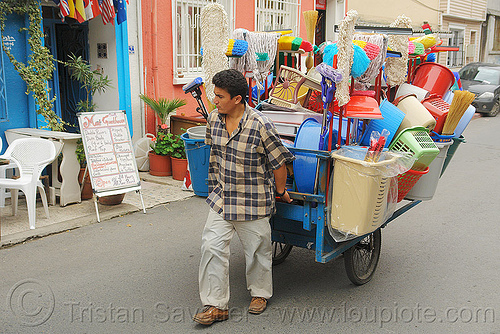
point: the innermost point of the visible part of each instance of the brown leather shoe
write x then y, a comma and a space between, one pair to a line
257, 305
211, 314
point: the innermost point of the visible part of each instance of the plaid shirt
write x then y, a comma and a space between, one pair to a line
240, 175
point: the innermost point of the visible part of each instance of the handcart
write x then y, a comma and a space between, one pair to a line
304, 223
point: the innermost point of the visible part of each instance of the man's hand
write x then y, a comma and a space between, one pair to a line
286, 197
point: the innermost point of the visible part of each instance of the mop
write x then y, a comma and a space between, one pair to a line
215, 41
329, 76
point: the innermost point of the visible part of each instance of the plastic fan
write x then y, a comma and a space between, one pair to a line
141, 150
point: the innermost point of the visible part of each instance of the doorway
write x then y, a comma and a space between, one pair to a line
64, 39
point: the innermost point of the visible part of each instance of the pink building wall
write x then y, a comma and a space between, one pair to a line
157, 51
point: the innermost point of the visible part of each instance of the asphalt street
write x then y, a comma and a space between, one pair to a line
438, 272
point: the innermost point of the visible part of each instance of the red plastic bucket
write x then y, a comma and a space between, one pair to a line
433, 77
407, 180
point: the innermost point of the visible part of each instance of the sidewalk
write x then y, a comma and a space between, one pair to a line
15, 229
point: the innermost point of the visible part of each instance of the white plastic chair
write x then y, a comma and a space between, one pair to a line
31, 155
3, 174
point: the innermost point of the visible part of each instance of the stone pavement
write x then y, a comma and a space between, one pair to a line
15, 229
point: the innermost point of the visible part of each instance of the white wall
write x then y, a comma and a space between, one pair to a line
100, 33
135, 60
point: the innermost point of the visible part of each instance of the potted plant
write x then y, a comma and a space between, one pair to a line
179, 161
159, 158
86, 184
93, 82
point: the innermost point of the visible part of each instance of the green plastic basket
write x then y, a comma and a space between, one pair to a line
416, 140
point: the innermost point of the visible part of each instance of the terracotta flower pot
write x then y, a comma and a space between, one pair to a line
111, 199
179, 168
87, 192
159, 165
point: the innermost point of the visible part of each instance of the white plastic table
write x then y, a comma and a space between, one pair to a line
68, 190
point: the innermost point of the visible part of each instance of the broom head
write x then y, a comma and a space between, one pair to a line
310, 18
461, 101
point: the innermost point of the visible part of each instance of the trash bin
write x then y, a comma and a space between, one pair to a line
198, 155
425, 188
362, 193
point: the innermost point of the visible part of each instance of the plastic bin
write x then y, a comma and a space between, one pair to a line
425, 188
416, 113
198, 155
406, 88
359, 194
451, 151
416, 140
407, 180
392, 119
197, 132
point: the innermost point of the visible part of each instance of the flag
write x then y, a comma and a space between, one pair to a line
121, 14
63, 7
91, 9
80, 11
107, 11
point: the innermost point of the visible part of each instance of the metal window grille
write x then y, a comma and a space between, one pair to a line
3, 91
496, 37
277, 15
187, 35
456, 59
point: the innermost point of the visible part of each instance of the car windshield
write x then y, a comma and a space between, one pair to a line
487, 75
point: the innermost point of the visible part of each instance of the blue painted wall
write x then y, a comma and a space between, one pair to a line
17, 100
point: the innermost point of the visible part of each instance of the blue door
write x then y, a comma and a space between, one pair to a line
14, 103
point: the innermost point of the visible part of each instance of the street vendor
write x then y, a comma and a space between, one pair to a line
247, 170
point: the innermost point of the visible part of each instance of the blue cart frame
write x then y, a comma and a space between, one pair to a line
305, 224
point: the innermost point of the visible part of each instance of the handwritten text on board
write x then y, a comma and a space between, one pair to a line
108, 149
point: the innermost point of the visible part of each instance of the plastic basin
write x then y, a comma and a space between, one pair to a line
433, 77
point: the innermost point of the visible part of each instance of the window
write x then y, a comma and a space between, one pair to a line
496, 36
277, 14
187, 37
3, 90
455, 59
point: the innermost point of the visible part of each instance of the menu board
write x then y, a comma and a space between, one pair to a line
109, 151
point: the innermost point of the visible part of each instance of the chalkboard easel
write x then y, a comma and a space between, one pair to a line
109, 153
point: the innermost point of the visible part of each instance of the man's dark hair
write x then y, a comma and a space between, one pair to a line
233, 82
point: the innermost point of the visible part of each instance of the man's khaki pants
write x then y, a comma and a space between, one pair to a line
255, 236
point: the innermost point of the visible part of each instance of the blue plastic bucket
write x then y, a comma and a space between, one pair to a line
392, 118
304, 165
308, 137
198, 155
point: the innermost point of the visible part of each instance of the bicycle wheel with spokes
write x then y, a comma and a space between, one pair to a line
280, 252
361, 259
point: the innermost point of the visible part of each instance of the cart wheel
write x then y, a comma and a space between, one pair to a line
361, 259
280, 252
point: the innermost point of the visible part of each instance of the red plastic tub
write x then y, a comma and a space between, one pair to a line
407, 180
433, 77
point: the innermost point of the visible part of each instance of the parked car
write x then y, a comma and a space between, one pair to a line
483, 79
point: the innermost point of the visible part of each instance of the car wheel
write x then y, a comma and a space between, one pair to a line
494, 111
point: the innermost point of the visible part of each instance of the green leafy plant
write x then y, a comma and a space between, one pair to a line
163, 107
179, 150
80, 153
169, 144
40, 65
92, 81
